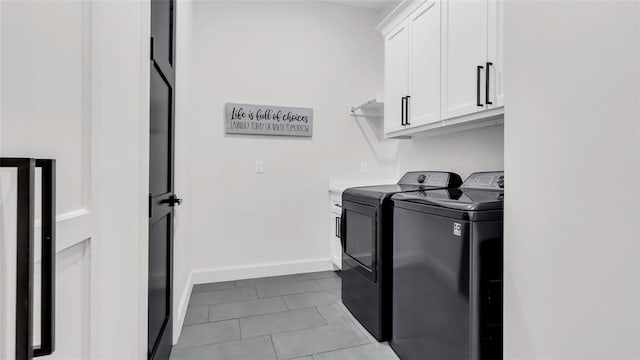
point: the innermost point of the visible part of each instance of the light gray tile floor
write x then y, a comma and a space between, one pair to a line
291, 317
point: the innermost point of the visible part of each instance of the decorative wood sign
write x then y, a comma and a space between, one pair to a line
268, 120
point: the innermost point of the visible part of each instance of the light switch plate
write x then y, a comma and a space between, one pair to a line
259, 167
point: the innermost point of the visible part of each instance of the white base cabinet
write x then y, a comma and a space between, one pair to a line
443, 66
334, 237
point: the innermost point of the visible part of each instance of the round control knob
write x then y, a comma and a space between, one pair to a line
421, 178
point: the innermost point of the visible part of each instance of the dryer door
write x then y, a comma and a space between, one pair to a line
359, 238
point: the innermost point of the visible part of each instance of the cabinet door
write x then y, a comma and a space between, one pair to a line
424, 64
396, 76
336, 245
464, 48
47, 114
496, 53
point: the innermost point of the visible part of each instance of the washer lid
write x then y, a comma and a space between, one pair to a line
379, 192
456, 199
481, 191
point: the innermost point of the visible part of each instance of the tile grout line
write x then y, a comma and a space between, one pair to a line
254, 315
294, 293
288, 330
213, 344
322, 316
344, 348
274, 347
224, 302
370, 338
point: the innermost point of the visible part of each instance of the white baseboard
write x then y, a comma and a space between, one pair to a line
178, 318
204, 276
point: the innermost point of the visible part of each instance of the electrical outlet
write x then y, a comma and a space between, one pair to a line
364, 167
259, 167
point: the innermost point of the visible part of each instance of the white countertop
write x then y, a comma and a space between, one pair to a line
338, 185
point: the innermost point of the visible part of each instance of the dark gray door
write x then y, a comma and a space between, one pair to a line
161, 163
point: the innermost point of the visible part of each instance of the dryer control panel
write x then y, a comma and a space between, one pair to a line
485, 180
430, 178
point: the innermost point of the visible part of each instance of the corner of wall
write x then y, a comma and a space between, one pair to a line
203, 276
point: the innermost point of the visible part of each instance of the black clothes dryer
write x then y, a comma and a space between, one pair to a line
447, 271
366, 235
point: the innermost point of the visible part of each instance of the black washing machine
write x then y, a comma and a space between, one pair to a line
447, 271
366, 234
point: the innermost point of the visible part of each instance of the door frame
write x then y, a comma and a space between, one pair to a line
114, 113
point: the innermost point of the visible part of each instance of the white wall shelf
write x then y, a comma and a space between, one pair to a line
372, 108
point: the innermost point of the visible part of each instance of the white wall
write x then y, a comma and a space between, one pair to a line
572, 167
462, 152
314, 54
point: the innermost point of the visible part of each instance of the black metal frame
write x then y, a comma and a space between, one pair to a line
478, 71
486, 82
406, 111
404, 98
24, 252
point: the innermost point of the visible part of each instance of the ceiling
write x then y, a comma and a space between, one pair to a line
369, 4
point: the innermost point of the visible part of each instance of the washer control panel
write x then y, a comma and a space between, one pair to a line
485, 180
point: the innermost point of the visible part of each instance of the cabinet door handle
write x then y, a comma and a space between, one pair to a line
343, 230
402, 110
406, 110
487, 78
478, 102
338, 227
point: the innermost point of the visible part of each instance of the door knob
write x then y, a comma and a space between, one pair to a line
174, 200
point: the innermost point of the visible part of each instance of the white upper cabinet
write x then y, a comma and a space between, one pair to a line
443, 66
396, 77
424, 65
496, 53
464, 57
